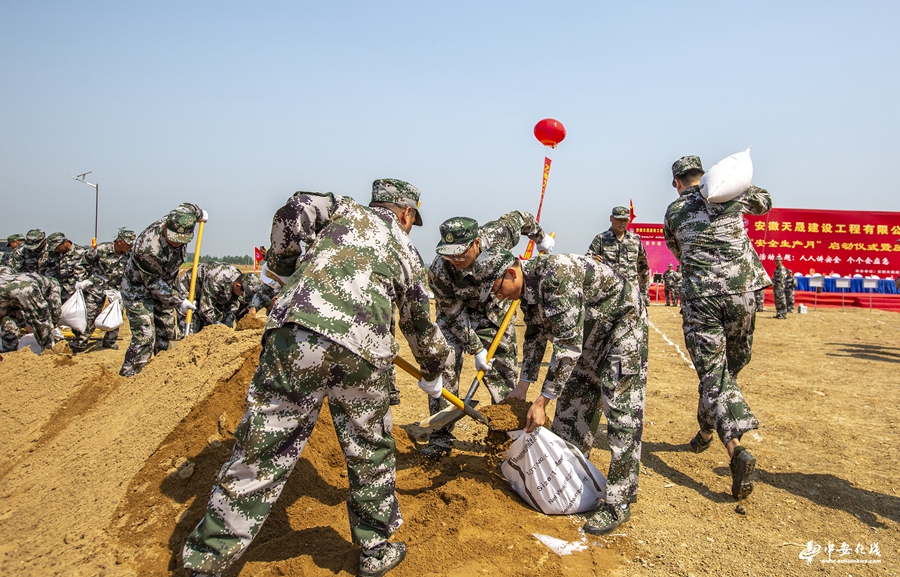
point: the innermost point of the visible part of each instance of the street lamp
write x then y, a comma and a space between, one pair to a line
96, 187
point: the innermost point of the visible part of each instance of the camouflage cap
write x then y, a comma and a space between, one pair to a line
621, 212
126, 236
457, 235
251, 283
180, 226
14, 238
489, 266
398, 192
55, 239
34, 238
778, 258
686, 163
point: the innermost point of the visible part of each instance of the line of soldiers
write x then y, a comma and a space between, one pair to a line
41, 272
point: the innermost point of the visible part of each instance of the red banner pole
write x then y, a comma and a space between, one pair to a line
530, 250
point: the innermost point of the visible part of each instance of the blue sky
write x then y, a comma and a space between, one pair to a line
235, 106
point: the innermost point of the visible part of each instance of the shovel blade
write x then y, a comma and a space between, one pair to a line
444, 417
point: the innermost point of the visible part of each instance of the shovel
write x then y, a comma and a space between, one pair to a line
448, 416
189, 314
450, 397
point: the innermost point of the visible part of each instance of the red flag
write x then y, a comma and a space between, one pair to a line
257, 257
631, 210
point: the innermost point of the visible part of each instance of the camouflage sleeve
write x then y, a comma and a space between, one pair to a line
755, 200
643, 267
533, 352
425, 340
296, 224
81, 266
91, 265
671, 240
450, 309
198, 212
508, 229
263, 297
562, 299
596, 247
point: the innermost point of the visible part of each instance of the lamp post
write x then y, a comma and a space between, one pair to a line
96, 187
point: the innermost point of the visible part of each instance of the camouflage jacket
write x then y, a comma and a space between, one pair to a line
25, 260
670, 277
67, 268
214, 292
105, 267
456, 291
36, 297
780, 277
710, 242
626, 256
153, 265
562, 294
6, 257
359, 264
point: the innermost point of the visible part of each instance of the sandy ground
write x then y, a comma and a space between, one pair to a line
101, 475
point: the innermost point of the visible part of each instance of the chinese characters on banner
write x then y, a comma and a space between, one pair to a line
844, 242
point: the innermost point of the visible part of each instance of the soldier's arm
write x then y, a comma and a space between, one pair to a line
533, 352
563, 303
425, 340
451, 309
643, 267
596, 248
671, 240
755, 200
296, 224
509, 228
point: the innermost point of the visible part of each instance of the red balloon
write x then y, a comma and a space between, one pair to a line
550, 132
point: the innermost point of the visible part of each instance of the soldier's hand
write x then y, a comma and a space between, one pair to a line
185, 305
83, 284
546, 245
536, 414
481, 362
204, 216
433, 388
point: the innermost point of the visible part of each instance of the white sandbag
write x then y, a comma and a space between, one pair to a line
552, 475
30, 342
728, 178
110, 318
74, 313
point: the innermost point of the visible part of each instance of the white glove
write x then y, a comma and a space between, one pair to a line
433, 388
546, 245
185, 305
270, 278
83, 284
481, 362
57, 335
204, 216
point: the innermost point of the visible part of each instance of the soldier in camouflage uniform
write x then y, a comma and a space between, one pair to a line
220, 291
721, 273
32, 255
597, 323
468, 324
779, 281
328, 335
31, 298
12, 242
65, 263
105, 265
789, 287
622, 250
148, 284
669, 281
760, 298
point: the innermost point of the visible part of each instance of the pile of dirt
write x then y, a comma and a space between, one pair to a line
507, 415
103, 475
250, 322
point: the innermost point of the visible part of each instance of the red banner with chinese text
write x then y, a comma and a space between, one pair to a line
844, 242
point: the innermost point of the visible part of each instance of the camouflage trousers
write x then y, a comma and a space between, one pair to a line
24, 307
718, 333
152, 327
780, 300
671, 295
609, 379
297, 370
9, 333
760, 299
93, 303
500, 380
